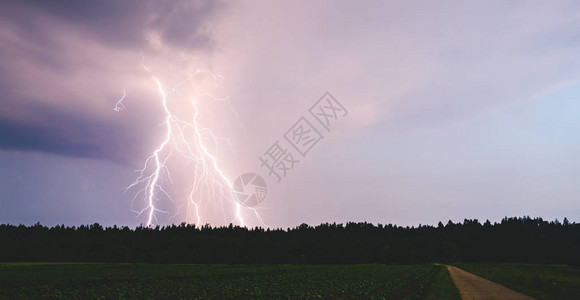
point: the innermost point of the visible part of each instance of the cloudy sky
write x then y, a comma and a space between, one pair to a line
455, 110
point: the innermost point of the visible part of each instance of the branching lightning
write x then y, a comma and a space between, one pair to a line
185, 141
119, 106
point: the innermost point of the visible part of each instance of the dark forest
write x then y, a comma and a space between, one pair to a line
523, 240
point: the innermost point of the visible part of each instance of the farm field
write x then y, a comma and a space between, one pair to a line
538, 281
156, 281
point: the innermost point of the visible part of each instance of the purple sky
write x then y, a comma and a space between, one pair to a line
455, 109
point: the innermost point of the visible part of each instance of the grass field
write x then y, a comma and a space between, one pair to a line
163, 281
538, 281
442, 287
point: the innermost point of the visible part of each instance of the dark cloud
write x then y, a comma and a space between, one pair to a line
36, 58
117, 22
76, 135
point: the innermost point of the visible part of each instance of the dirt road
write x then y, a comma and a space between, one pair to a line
471, 286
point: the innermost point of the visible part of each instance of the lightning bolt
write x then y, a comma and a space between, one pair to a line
119, 106
186, 140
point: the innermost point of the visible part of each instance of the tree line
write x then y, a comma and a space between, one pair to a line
523, 240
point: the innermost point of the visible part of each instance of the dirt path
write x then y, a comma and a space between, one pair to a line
471, 286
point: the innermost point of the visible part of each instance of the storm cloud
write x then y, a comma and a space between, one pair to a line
64, 63
183, 24
455, 109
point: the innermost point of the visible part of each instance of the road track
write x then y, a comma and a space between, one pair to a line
473, 287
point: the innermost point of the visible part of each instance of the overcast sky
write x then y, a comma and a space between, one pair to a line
455, 109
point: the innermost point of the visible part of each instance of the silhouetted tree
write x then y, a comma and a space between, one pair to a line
523, 239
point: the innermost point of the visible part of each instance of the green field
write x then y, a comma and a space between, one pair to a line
171, 281
164, 281
442, 287
538, 281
